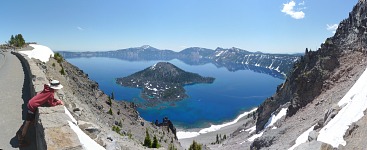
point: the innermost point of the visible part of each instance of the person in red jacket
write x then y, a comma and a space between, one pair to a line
42, 98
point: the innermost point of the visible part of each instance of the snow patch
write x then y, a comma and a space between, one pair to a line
250, 130
70, 116
220, 53
302, 138
183, 134
40, 52
274, 118
354, 102
252, 138
85, 140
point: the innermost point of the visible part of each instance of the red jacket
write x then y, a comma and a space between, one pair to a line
46, 96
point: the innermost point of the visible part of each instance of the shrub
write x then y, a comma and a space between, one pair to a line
116, 129
62, 71
109, 101
58, 57
171, 147
110, 111
195, 146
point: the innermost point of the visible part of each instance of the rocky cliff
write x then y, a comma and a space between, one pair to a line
307, 102
315, 71
112, 124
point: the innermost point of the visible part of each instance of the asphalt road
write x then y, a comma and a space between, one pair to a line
13, 100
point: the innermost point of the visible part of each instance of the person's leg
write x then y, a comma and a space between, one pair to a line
25, 128
21, 136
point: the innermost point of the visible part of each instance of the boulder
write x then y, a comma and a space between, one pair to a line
313, 136
262, 142
331, 113
92, 129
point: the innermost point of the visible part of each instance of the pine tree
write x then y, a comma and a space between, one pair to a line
155, 143
110, 111
195, 146
112, 96
147, 141
109, 101
12, 40
171, 147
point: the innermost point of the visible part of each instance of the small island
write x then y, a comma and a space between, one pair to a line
163, 82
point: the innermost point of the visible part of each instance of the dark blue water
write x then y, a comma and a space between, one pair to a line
231, 94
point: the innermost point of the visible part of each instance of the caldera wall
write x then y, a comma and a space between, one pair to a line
52, 128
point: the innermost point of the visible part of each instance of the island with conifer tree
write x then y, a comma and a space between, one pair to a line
163, 82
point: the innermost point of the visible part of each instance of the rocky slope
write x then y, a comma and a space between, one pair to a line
277, 65
311, 92
113, 124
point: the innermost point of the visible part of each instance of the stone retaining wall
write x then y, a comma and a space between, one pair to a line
52, 128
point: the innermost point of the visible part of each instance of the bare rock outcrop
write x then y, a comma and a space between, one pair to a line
314, 72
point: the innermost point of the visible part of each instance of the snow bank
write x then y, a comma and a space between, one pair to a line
250, 130
274, 118
43, 53
353, 104
252, 138
212, 128
70, 116
185, 135
302, 138
84, 139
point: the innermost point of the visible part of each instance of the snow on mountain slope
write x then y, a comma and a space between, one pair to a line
43, 53
353, 104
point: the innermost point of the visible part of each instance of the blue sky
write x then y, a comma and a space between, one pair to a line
274, 26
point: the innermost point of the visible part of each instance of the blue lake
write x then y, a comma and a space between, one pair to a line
231, 94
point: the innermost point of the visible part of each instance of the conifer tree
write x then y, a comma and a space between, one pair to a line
195, 146
155, 143
147, 141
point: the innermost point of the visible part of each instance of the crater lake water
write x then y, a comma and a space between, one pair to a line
231, 94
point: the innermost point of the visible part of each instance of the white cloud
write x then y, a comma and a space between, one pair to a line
332, 27
80, 28
302, 3
289, 10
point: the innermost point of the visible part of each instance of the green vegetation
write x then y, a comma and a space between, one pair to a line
116, 129
53, 64
109, 101
17, 40
171, 147
62, 71
58, 57
155, 143
112, 96
195, 146
147, 141
110, 111
219, 139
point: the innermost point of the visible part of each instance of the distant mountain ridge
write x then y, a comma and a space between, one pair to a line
277, 65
